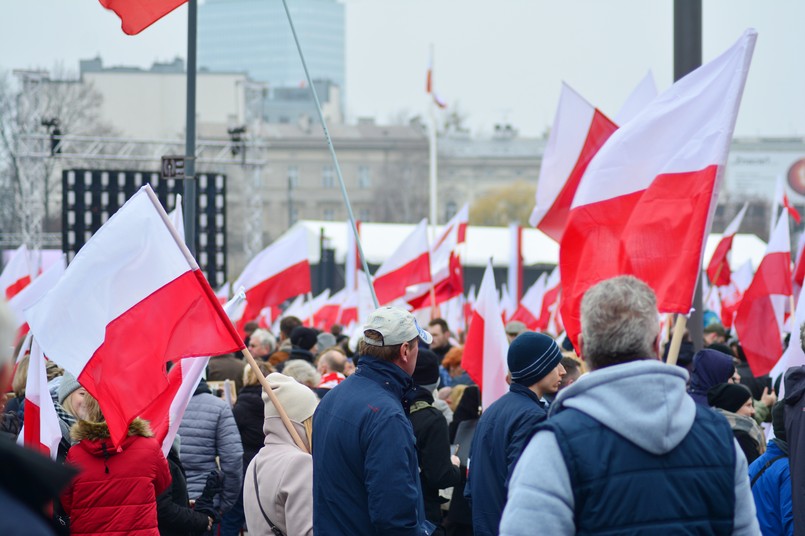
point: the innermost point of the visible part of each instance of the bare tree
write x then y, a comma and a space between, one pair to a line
507, 204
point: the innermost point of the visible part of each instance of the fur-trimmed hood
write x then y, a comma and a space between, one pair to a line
96, 431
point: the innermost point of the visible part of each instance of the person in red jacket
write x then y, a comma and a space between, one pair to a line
116, 491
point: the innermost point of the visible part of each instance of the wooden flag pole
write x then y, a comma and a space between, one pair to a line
274, 400
676, 340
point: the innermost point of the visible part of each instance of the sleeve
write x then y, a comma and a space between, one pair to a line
162, 479
299, 502
434, 455
745, 520
786, 504
230, 454
390, 480
522, 434
540, 494
177, 518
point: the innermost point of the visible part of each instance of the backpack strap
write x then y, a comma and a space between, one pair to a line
274, 528
768, 464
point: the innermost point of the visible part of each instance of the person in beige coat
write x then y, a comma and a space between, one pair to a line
283, 493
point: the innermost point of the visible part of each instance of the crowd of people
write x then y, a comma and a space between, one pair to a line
388, 436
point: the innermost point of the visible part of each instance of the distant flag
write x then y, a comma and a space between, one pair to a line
781, 198
326, 314
731, 294
515, 272
646, 200
41, 430
530, 308
17, 274
429, 84
550, 299
408, 265
36, 290
718, 270
352, 262
126, 322
138, 15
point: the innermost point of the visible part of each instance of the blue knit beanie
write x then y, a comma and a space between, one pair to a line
531, 357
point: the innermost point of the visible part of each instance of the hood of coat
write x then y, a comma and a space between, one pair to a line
644, 402
98, 431
794, 385
277, 434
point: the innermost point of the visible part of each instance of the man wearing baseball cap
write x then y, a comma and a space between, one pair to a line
365, 469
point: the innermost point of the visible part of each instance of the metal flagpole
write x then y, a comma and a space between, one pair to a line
332, 152
190, 131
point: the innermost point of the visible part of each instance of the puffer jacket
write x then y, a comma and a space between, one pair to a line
284, 481
116, 492
208, 430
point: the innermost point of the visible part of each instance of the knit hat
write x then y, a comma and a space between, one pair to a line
299, 401
426, 371
778, 420
67, 386
728, 396
304, 338
531, 357
515, 327
325, 340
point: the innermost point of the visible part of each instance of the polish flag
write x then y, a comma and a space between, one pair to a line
486, 346
223, 293
279, 272
530, 308
515, 273
352, 262
645, 203
408, 265
799, 267
348, 312
718, 270
313, 306
138, 15
17, 274
132, 300
41, 430
429, 84
759, 320
36, 290
781, 198
732, 294
644, 92
579, 130
165, 413
327, 313
550, 299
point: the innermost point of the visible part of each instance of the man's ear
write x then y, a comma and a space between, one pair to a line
580, 348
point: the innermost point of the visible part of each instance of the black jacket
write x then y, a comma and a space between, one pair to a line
174, 515
795, 434
249, 412
433, 451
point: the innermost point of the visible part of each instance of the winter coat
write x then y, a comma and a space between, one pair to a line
365, 470
772, 490
174, 514
115, 492
541, 493
503, 432
795, 435
208, 430
226, 367
710, 368
747, 433
436, 471
28, 482
297, 353
284, 481
249, 413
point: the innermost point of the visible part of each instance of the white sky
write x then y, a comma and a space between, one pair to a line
500, 61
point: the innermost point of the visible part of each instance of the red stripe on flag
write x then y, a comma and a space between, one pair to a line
15, 288
33, 428
390, 286
293, 281
473, 359
137, 16
718, 271
524, 315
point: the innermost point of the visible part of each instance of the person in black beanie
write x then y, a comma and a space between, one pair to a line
303, 345
504, 429
437, 468
734, 401
770, 476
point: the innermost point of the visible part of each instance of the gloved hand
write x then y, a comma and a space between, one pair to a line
206, 503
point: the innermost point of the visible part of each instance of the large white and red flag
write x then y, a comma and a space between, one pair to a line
41, 430
759, 320
530, 308
408, 265
718, 269
132, 300
165, 413
17, 274
486, 345
136, 16
279, 272
645, 203
579, 130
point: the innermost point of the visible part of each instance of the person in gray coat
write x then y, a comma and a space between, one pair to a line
208, 430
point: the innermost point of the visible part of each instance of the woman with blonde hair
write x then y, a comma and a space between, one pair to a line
278, 488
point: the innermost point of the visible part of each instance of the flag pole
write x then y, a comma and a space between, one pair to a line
676, 340
190, 130
332, 153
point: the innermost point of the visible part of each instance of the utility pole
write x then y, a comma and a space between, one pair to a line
190, 131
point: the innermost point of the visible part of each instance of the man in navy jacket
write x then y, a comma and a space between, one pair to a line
365, 470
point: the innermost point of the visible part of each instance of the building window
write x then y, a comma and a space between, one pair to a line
293, 177
329, 214
364, 177
327, 180
450, 210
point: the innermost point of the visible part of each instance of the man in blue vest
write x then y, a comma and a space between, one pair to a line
625, 450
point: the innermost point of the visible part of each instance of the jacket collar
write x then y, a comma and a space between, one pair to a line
387, 375
419, 393
202, 388
522, 390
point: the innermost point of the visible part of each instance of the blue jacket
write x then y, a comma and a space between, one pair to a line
502, 434
365, 470
772, 492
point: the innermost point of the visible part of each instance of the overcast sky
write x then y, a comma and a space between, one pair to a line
498, 61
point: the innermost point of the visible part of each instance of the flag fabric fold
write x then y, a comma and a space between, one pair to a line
41, 430
718, 270
17, 274
36, 290
408, 265
131, 300
530, 308
645, 203
136, 16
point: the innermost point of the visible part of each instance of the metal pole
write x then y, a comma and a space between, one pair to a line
688, 57
332, 153
190, 131
433, 176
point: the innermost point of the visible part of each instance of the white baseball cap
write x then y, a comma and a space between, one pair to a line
395, 327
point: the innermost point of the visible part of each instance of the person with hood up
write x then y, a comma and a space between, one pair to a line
734, 402
278, 486
595, 468
794, 416
710, 368
770, 477
116, 490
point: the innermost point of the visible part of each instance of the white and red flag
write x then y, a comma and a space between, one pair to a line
515, 272
759, 320
645, 203
429, 84
550, 299
35, 291
486, 346
132, 300
17, 274
644, 92
718, 270
41, 430
731, 294
279, 272
136, 16
530, 308
408, 265
781, 199
352, 261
